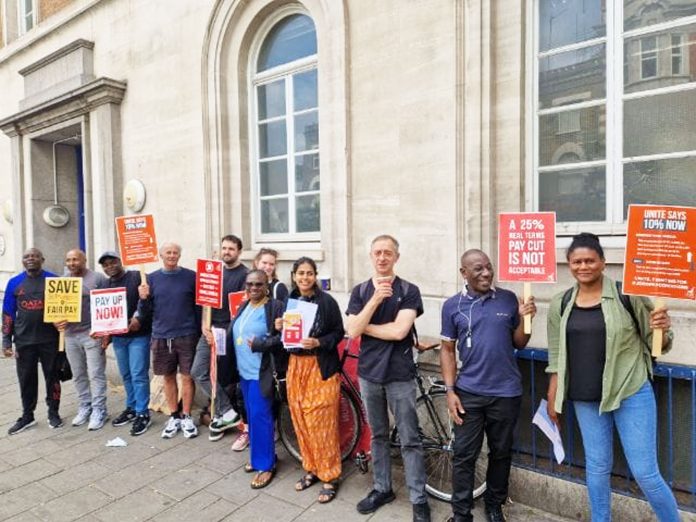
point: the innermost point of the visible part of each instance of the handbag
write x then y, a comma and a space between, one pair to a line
62, 366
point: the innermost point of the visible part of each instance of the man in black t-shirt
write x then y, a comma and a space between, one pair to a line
233, 279
382, 311
34, 340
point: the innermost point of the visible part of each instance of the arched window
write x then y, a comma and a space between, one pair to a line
285, 147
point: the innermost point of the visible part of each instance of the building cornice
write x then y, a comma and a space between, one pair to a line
65, 107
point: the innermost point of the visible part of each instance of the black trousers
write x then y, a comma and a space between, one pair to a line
28, 358
497, 417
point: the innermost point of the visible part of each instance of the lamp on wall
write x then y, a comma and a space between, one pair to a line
7, 211
134, 195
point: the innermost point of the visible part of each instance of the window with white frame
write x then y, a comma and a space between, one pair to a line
621, 76
26, 10
286, 132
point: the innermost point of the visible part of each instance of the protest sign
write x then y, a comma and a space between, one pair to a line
209, 283
659, 259
109, 311
136, 241
63, 302
292, 329
527, 247
527, 251
63, 299
236, 300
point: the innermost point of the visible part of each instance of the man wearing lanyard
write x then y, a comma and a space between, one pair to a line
484, 324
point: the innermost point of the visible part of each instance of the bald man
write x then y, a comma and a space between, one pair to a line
176, 329
34, 341
85, 354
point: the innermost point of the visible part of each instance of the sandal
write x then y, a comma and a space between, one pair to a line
257, 483
328, 492
248, 468
306, 481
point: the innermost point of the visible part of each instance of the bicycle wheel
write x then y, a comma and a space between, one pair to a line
437, 433
349, 427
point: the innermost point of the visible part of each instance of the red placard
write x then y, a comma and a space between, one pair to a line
527, 247
236, 300
292, 329
136, 239
209, 283
660, 252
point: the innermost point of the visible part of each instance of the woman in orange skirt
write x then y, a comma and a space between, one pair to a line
314, 386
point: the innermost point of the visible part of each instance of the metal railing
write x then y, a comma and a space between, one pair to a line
675, 392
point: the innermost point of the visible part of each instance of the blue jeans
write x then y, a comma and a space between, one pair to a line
133, 358
400, 398
636, 422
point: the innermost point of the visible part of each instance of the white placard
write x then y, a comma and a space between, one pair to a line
109, 311
542, 419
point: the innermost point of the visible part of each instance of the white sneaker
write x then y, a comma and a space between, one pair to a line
97, 419
83, 415
173, 425
188, 427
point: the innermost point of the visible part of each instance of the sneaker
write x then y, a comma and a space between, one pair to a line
173, 425
83, 415
421, 512
140, 424
225, 422
22, 424
215, 436
495, 514
126, 416
97, 419
242, 442
54, 420
375, 500
188, 427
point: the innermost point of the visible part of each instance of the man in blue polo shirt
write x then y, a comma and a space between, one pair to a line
483, 323
382, 311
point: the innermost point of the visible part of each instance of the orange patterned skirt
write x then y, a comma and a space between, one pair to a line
314, 408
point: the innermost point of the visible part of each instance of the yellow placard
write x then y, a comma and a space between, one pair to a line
63, 299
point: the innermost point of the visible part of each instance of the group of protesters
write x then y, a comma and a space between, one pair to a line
597, 360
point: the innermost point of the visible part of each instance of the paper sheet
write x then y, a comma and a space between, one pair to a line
220, 335
308, 311
542, 419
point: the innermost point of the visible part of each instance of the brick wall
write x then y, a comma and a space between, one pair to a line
48, 8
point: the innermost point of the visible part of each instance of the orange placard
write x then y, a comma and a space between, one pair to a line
136, 239
209, 283
660, 252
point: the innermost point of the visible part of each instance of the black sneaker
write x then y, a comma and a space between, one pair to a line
22, 424
54, 420
495, 514
124, 418
421, 512
375, 500
140, 425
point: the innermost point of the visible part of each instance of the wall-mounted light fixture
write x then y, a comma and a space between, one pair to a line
134, 195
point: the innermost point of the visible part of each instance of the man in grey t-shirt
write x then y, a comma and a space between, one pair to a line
85, 354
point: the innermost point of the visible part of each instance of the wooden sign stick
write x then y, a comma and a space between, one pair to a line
143, 277
207, 323
61, 341
527, 293
657, 332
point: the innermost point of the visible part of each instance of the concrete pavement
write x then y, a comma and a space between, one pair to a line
69, 474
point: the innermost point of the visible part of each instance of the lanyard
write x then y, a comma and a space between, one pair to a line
467, 317
244, 319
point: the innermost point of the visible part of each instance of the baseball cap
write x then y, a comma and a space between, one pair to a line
108, 254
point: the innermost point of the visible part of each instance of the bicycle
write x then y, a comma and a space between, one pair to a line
435, 425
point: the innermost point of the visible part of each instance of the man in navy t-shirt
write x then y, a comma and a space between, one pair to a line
176, 328
483, 323
34, 340
382, 311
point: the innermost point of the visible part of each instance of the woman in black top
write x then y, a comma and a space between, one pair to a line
314, 386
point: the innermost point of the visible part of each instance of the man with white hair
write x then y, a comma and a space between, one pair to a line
176, 328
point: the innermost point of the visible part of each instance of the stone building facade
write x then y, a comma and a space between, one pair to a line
313, 125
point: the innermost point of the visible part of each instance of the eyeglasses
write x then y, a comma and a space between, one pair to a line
254, 285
